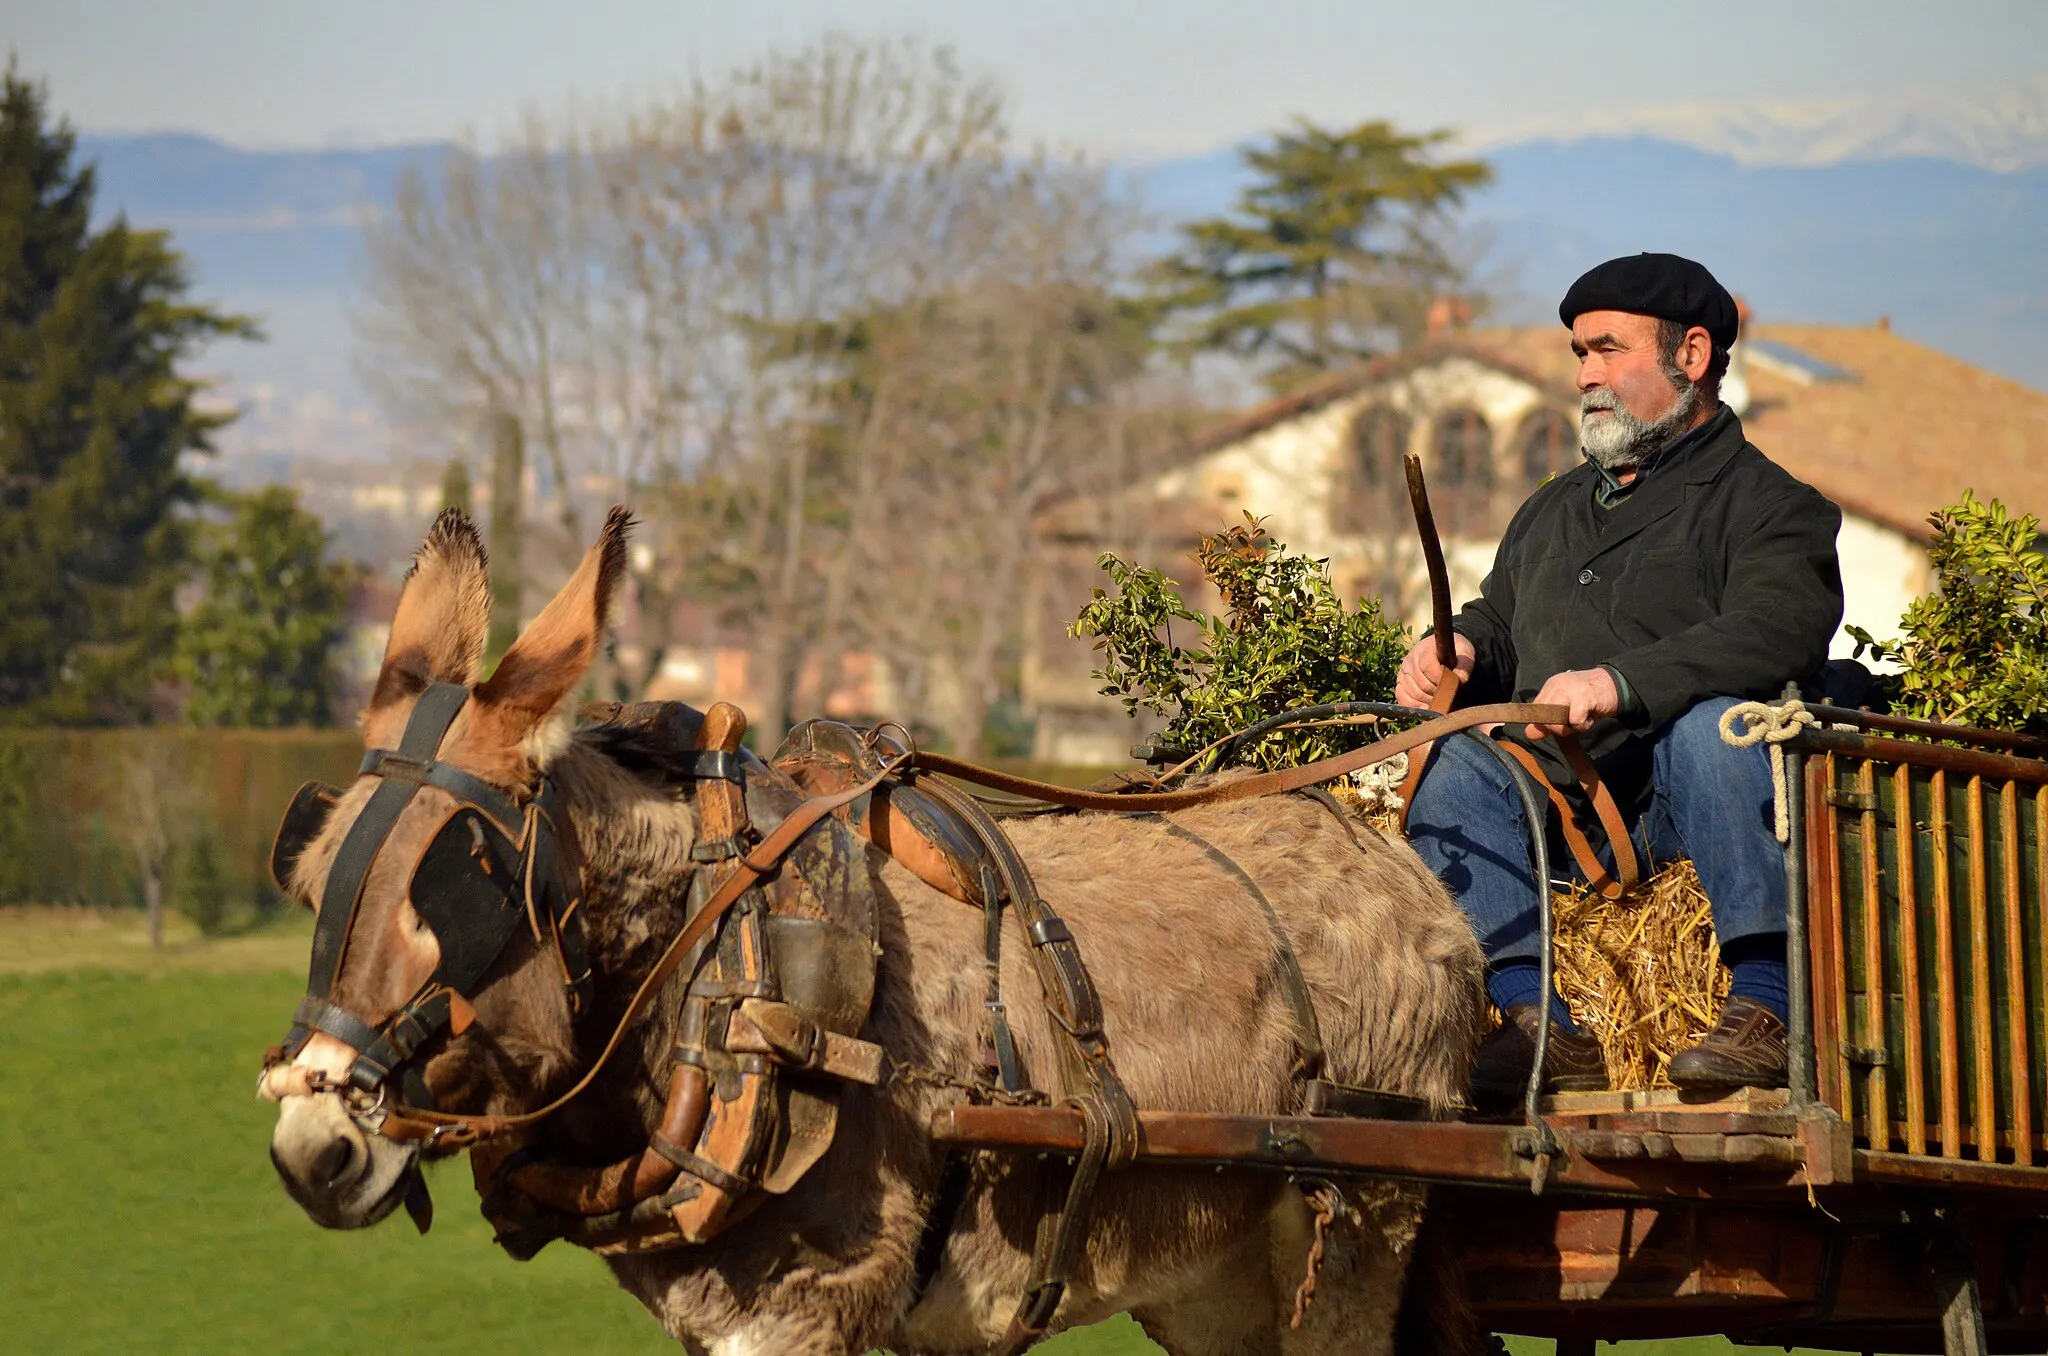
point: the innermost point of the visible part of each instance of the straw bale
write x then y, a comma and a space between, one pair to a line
1641, 973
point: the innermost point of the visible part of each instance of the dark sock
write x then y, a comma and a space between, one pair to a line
1759, 966
1515, 983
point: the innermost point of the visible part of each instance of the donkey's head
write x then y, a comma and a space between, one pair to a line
447, 957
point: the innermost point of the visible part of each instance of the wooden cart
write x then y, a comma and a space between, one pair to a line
1892, 1198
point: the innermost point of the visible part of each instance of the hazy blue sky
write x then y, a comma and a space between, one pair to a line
1116, 77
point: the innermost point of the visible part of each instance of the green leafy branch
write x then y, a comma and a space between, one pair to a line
1975, 650
1285, 640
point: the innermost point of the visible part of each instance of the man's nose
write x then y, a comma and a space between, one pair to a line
1592, 373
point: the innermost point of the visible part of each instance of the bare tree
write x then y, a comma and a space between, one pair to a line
157, 816
834, 337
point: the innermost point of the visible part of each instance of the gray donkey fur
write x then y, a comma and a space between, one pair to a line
1206, 1262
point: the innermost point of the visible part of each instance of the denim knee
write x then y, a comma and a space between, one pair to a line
1691, 746
1459, 771
1469, 827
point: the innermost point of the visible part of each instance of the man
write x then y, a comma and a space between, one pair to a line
1675, 572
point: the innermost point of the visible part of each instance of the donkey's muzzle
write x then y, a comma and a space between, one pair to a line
341, 1175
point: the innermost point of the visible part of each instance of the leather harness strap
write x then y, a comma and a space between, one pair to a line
1308, 1037
455, 1130
1627, 873
1246, 788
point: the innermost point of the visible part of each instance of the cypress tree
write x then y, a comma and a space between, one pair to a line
95, 418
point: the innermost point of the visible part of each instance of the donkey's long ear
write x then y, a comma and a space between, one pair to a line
554, 652
444, 614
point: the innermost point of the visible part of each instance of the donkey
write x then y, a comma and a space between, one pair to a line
1207, 1261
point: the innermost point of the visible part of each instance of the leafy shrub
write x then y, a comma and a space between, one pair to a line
1284, 641
198, 885
1975, 650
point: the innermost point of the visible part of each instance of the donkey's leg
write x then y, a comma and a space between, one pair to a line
1358, 1278
1224, 1307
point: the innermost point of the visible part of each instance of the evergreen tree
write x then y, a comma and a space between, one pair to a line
1336, 251
94, 418
257, 647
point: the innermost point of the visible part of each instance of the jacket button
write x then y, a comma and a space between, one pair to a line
1585, 576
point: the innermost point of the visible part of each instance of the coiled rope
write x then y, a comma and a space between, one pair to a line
1770, 724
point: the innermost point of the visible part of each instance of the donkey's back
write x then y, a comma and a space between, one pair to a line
1182, 921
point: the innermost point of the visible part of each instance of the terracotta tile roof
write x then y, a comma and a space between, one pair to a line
1326, 390
1905, 435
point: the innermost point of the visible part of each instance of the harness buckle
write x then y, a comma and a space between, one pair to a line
404, 768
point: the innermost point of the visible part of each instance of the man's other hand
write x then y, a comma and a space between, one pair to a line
1422, 673
1590, 694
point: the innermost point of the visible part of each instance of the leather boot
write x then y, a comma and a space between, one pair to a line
1500, 1074
1746, 1049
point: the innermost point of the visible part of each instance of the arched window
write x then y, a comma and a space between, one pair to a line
1461, 472
1373, 482
1546, 445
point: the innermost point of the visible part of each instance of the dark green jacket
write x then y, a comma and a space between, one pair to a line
1717, 576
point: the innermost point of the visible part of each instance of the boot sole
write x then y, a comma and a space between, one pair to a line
1727, 1083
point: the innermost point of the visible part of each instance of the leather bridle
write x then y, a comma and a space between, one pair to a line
472, 885
498, 860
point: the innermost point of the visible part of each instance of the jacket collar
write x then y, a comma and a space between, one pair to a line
1718, 440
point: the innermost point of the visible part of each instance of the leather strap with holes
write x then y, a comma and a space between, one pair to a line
1627, 873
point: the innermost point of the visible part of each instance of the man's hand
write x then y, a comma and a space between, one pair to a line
1422, 674
1590, 694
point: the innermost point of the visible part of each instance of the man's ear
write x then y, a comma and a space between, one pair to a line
551, 656
443, 616
1695, 353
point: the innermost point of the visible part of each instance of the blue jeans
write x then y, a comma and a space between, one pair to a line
1708, 801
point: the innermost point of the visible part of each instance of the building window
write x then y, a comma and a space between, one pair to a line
1461, 472
1546, 445
1373, 483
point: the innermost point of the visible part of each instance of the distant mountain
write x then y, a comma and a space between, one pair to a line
1999, 128
1948, 247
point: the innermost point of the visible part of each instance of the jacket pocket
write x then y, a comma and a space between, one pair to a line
1662, 592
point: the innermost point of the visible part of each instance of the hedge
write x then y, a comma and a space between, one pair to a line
69, 798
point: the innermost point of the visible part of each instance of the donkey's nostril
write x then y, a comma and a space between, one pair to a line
335, 1167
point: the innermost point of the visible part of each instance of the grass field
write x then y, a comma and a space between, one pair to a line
139, 1213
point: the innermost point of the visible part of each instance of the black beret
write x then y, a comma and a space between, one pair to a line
1660, 285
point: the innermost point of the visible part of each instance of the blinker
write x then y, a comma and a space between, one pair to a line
302, 822
463, 888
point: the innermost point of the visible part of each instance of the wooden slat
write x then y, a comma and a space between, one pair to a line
2016, 1009
1985, 1113
2034, 1001
1948, 1040
1904, 833
1877, 1105
1837, 971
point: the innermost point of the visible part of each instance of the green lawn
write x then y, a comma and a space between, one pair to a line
139, 1213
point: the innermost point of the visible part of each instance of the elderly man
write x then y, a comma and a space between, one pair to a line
1677, 571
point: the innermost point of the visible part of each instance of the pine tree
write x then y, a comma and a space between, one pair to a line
94, 418
1335, 253
257, 647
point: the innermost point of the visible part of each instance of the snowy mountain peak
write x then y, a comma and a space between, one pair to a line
2002, 129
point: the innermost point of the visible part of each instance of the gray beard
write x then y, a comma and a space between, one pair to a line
1620, 441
